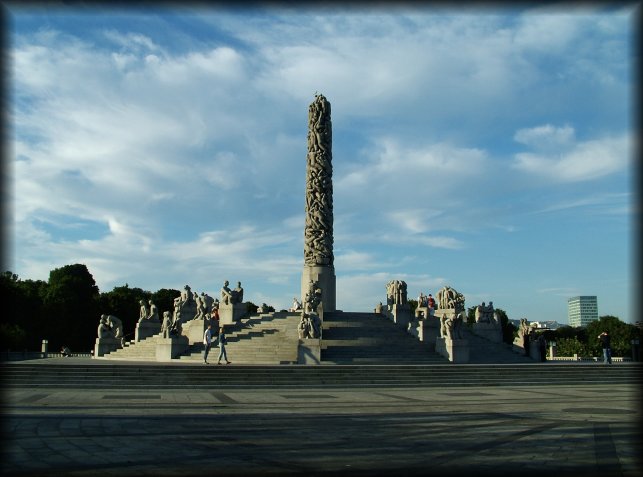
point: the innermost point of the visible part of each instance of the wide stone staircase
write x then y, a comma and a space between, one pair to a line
144, 350
369, 338
82, 373
269, 338
483, 351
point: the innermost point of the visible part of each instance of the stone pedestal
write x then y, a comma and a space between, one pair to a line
309, 351
456, 351
325, 277
106, 345
230, 314
400, 315
171, 348
145, 329
424, 312
429, 330
534, 350
488, 331
193, 330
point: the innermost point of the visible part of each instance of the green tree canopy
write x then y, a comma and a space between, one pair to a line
123, 302
71, 307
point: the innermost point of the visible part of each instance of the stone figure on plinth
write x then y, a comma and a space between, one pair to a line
237, 294
107, 340
231, 307
104, 330
166, 325
226, 294
148, 322
451, 343
116, 325
318, 230
154, 312
449, 299
143, 314
186, 294
296, 306
397, 305
484, 313
396, 293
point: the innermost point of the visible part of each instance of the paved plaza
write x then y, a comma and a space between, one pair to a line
582, 430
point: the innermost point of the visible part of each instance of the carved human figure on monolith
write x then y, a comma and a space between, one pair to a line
318, 230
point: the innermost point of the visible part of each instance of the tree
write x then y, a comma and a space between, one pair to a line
508, 329
621, 335
124, 303
24, 312
164, 300
571, 346
12, 337
71, 307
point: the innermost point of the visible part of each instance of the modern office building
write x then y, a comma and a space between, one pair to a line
581, 310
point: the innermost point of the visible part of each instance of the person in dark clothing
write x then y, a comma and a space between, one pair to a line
607, 348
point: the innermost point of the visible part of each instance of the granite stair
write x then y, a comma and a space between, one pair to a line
370, 338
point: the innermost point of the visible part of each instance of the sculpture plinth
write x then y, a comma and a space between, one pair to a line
145, 329
456, 351
105, 346
318, 231
229, 314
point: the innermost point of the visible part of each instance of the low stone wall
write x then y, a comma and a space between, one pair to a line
28, 355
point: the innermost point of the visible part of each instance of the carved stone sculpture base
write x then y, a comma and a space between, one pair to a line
309, 351
489, 331
400, 315
171, 348
429, 330
440, 312
230, 314
145, 329
325, 276
424, 312
193, 330
106, 345
456, 351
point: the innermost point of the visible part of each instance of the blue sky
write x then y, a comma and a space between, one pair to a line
490, 150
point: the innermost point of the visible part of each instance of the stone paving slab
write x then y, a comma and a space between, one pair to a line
587, 430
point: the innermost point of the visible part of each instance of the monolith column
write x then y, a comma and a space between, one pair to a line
318, 231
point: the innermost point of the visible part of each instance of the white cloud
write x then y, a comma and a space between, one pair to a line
587, 160
546, 137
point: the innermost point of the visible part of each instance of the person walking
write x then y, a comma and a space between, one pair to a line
207, 342
222, 342
607, 348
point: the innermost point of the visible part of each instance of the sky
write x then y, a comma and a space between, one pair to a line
491, 150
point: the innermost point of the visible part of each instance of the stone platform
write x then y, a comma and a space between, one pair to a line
513, 428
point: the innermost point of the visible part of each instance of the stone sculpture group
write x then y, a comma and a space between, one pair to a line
310, 324
449, 299
318, 231
396, 293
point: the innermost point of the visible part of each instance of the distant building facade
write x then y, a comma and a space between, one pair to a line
582, 310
